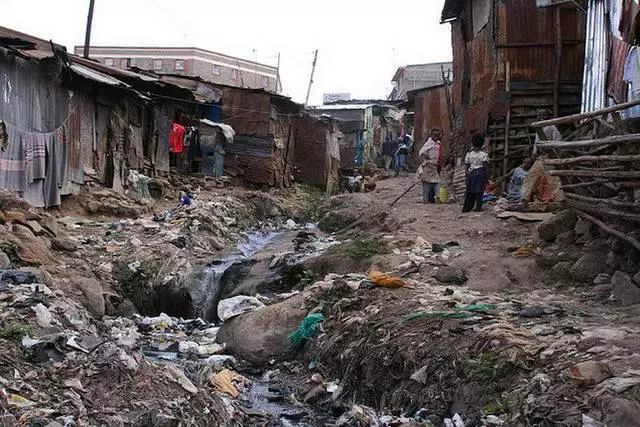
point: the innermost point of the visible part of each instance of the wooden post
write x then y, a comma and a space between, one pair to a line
507, 126
558, 69
313, 69
87, 35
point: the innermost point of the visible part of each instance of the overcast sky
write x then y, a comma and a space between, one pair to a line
360, 42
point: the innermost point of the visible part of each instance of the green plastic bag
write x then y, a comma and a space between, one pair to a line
307, 329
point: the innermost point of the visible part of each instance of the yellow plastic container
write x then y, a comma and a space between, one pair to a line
444, 195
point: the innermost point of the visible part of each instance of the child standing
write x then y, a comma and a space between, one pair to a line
476, 161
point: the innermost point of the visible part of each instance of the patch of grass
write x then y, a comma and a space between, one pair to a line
315, 198
305, 278
15, 331
496, 407
360, 249
482, 369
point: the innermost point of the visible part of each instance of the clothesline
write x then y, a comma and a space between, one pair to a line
32, 132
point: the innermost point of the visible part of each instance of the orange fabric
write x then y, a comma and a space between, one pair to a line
384, 280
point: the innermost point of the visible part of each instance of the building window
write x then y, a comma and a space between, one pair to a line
234, 74
179, 65
157, 64
265, 82
109, 62
216, 70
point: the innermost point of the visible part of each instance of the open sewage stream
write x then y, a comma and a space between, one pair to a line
262, 258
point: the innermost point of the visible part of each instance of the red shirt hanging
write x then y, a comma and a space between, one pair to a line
175, 138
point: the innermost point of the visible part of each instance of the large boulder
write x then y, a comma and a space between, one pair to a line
87, 291
22, 246
559, 223
589, 265
624, 289
264, 334
451, 275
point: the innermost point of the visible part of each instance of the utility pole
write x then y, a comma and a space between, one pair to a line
278, 74
313, 69
87, 37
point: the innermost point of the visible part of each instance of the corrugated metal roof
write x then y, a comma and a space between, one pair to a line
97, 76
27, 45
343, 107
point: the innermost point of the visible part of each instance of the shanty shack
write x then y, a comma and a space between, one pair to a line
317, 151
265, 125
356, 146
66, 119
512, 59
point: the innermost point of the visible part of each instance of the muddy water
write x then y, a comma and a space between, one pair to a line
267, 402
209, 285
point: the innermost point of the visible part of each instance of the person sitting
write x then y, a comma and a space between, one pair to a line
514, 192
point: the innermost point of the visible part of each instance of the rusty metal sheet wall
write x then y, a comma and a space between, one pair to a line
526, 37
247, 112
310, 150
253, 158
431, 110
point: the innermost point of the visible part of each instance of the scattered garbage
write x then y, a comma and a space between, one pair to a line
225, 382
456, 421
590, 373
384, 280
590, 422
307, 329
459, 313
235, 306
440, 247
186, 199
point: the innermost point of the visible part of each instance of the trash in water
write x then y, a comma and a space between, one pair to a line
224, 381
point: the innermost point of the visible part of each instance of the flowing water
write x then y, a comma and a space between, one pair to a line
207, 287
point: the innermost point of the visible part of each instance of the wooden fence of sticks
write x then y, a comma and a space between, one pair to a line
599, 170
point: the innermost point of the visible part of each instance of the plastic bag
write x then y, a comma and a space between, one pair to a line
307, 329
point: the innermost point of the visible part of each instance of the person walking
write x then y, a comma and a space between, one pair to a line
387, 152
430, 154
477, 161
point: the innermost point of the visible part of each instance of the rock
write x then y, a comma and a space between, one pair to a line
10, 202
264, 334
582, 227
451, 275
561, 271
36, 228
636, 278
612, 261
235, 306
560, 222
602, 279
16, 217
588, 266
217, 243
89, 292
620, 412
566, 237
28, 248
616, 244
624, 289
590, 373
533, 312
63, 244
549, 257
8, 420
50, 225
5, 262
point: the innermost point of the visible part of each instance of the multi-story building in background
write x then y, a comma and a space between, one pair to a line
190, 61
419, 76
